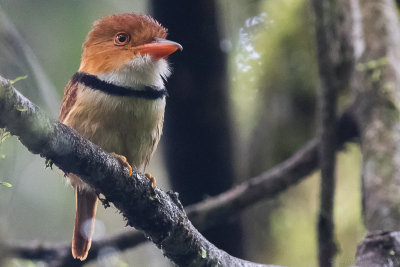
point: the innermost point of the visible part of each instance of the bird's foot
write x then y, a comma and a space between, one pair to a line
152, 179
122, 160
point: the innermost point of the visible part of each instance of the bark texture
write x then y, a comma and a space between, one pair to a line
162, 216
379, 248
377, 93
210, 212
377, 90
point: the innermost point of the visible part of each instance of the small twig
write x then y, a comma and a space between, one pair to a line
60, 254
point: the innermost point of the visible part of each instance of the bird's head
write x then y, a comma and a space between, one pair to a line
128, 48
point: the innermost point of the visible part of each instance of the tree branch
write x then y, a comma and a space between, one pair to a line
217, 209
157, 213
269, 184
60, 254
333, 31
208, 213
379, 248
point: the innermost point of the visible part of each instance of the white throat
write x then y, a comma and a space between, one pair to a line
142, 70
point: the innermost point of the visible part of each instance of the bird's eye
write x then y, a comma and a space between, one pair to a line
122, 38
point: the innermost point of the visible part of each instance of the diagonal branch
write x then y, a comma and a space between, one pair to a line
269, 184
157, 213
217, 209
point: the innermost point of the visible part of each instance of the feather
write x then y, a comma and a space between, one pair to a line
86, 205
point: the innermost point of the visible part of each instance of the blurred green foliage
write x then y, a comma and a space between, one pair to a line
275, 83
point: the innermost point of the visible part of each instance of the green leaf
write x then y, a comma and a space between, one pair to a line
6, 184
49, 164
3, 135
18, 79
203, 253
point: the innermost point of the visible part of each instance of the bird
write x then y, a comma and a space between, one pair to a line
116, 100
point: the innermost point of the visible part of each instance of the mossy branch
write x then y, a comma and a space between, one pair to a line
157, 213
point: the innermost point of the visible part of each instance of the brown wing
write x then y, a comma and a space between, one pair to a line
69, 99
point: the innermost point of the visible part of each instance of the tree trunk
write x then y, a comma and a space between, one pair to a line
377, 89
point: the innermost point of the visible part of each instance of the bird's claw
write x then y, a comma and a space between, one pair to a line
152, 179
124, 163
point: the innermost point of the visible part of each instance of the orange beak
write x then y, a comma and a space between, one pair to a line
160, 48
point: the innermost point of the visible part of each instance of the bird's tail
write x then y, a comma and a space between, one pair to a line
86, 205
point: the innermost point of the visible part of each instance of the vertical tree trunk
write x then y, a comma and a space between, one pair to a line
377, 94
377, 88
198, 139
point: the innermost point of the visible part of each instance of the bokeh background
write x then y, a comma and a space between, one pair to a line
242, 99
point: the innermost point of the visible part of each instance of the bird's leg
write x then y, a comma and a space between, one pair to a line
152, 179
122, 160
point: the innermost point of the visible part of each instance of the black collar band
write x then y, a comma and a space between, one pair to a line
95, 83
